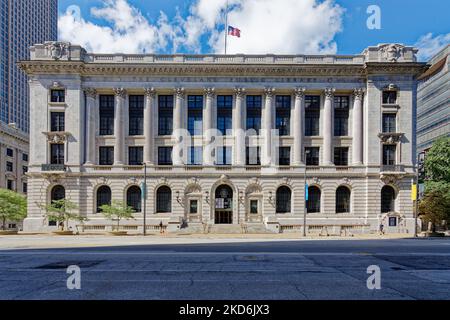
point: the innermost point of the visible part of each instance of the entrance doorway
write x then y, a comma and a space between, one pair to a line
223, 213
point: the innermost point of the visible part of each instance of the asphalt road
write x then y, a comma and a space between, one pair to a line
237, 270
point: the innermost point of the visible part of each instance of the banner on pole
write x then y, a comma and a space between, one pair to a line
306, 192
414, 192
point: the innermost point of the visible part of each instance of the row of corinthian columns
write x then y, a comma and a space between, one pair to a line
267, 124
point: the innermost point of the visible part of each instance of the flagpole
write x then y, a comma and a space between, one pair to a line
226, 27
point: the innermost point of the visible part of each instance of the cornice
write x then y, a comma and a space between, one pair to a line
235, 70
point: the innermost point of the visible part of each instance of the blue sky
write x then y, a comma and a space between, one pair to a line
190, 26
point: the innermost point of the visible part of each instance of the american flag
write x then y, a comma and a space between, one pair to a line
234, 31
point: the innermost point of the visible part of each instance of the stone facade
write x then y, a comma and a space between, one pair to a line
246, 197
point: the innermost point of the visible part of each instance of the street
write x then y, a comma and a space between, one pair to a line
237, 269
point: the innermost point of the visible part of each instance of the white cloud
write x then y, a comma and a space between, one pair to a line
267, 26
130, 31
428, 45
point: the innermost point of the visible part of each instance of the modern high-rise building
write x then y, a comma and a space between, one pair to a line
23, 23
433, 101
231, 143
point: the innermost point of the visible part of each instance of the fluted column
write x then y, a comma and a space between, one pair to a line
208, 113
268, 125
91, 110
119, 126
178, 126
299, 108
328, 127
238, 127
357, 145
149, 107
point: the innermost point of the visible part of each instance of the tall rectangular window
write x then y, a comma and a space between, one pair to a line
254, 106
284, 156
389, 154
389, 122
24, 156
57, 95
283, 114
136, 115
106, 115
9, 152
195, 156
9, 166
57, 153
224, 113
106, 156
57, 121
195, 115
341, 156
135, 156
389, 97
165, 115
312, 115
341, 111
312, 156
253, 156
165, 156
223, 156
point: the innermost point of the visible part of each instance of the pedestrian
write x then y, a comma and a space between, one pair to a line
381, 229
161, 227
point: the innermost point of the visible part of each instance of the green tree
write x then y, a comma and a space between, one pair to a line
13, 206
435, 206
117, 211
62, 211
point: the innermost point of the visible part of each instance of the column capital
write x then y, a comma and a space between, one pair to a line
299, 92
358, 93
90, 93
210, 92
120, 92
269, 92
179, 92
240, 92
329, 93
150, 92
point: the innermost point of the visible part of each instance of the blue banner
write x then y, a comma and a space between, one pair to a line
306, 192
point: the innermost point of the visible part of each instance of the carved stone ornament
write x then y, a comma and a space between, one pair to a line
392, 52
120, 92
391, 179
56, 137
358, 93
299, 92
210, 92
179, 92
58, 50
224, 178
269, 92
150, 92
240, 92
329, 93
315, 180
390, 137
90, 93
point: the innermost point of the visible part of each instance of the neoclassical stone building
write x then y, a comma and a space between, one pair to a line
228, 141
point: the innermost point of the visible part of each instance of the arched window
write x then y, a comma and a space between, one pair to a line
103, 197
134, 198
387, 199
313, 203
342, 200
283, 200
58, 193
164, 200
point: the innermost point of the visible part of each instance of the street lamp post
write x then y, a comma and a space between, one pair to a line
144, 192
304, 195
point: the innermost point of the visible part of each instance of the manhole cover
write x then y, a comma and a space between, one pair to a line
66, 264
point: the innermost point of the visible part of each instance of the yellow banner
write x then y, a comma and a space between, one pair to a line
414, 192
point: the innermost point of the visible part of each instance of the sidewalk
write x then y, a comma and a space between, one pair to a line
38, 241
